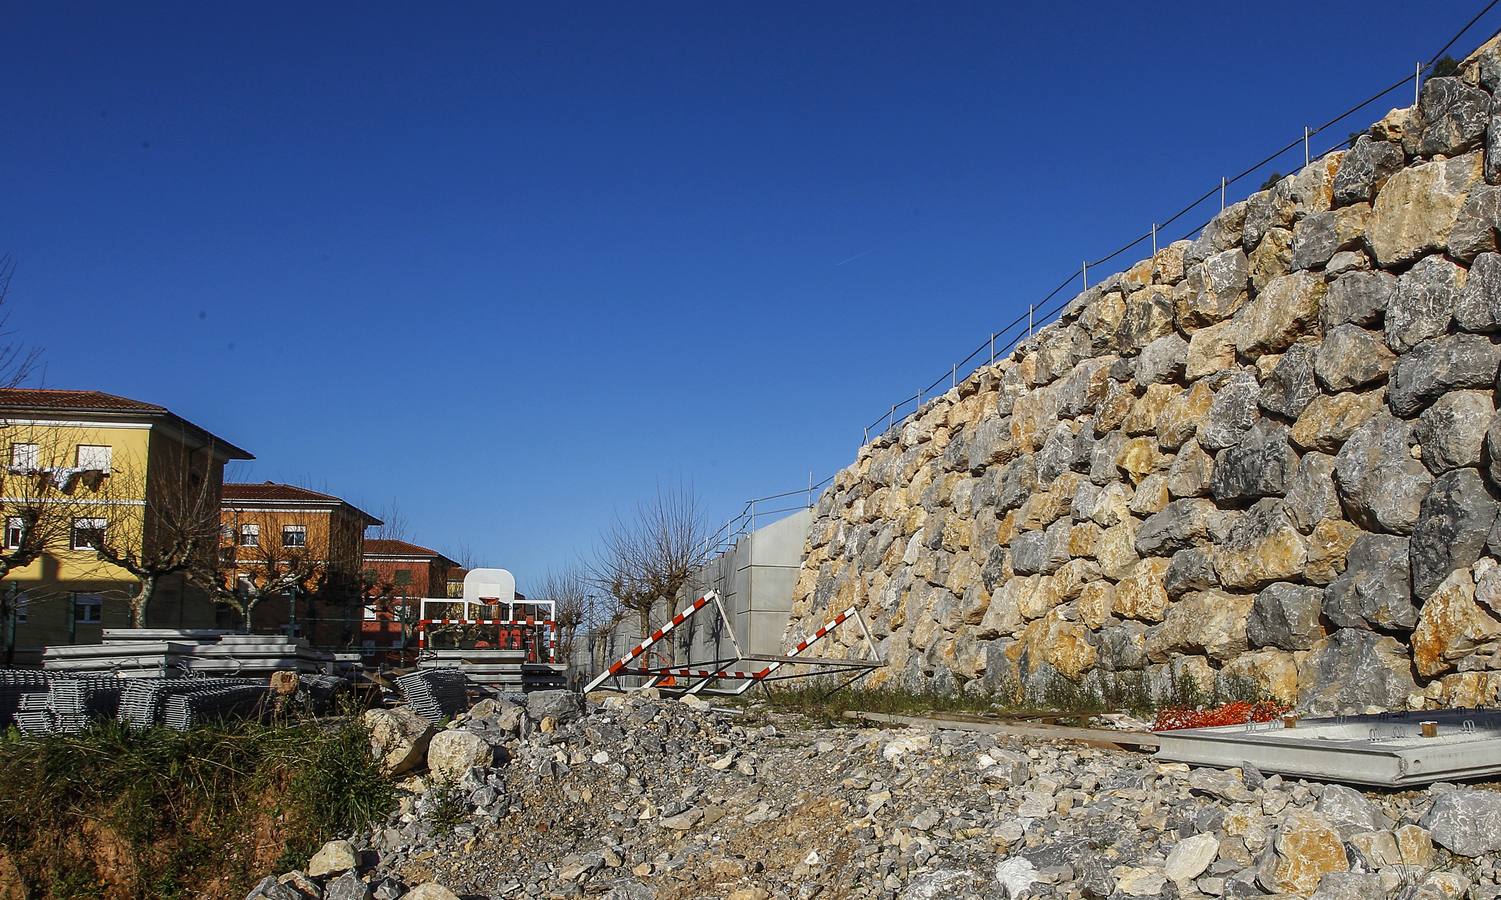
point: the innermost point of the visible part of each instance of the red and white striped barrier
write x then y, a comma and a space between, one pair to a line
618, 667
802, 645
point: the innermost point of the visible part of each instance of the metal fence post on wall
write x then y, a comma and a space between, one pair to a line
1154, 238
1417, 81
1029, 321
953, 376
1222, 193
992, 348
1086, 274
1305, 145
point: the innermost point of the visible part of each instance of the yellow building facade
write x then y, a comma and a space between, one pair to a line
82, 468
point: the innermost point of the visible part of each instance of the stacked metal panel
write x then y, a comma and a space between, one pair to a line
15, 684
318, 693
435, 694
194, 701
497, 669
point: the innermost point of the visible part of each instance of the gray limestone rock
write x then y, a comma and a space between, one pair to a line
1350, 812
1374, 590
991, 444
1191, 472
1041, 552
1222, 233
1380, 485
1102, 456
1216, 288
1351, 357
1492, 455
1162, 360
1190, 570
1475, 230
1359, 298
1123, 648
1465, 821
562, 706
1452, 528
1311, 495
1427, 371
1286, 616
1452, 430
1314, 241
1261, 464
1057, 453
1015, 484
347, 887
1354, 669
1479, 305
1291, 386
1453, 116
1364, 169
1231, 413
1179, 525
1424, 305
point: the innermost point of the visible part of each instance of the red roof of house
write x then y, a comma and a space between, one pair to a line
275, 492
391, 547
48, 400
39, 398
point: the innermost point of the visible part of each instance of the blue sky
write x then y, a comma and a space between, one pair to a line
513, 265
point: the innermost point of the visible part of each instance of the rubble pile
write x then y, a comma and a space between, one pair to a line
645, 798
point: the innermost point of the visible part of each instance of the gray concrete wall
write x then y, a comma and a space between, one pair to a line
754, 580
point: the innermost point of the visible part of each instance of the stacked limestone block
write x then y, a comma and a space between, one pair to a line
1271, 453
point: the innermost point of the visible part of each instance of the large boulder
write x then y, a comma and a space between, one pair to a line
1330, 419
1380, 484
1311, 495
333, 858
1451, 626
1374, 590
1232, 413
1364, 170
1262, 547
453, 753
1452, 528
1354, 670
1415, 211
1351, 357
1438, 365
1286, 616
1465, 821
1307, 846
398, 738
1282, 312
1181, 524
1452, 430
1424, 305
1475, 230
562, 706
1261, 464
1211, 623
1216, 289
1359, 298
1453, 116
1291, 386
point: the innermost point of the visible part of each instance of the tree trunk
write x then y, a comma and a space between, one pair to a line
141, 601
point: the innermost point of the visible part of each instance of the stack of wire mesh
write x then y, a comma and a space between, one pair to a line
435, 694
181, 703
192, 701
35, 715
15, 684
76, 701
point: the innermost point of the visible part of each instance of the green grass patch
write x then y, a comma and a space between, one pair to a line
113, 812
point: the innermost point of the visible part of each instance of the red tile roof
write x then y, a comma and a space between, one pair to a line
84, 403
90, 401
274, 492
391, 547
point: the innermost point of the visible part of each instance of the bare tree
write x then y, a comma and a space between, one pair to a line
18, 360
393, 525
647, 558
177, 532
256, 565
574, 602
467, 557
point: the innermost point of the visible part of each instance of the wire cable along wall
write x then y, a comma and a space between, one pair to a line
1022, 328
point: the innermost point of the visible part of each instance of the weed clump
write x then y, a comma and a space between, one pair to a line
160, 813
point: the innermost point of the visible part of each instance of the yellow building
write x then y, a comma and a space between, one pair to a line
280, 533
84, 469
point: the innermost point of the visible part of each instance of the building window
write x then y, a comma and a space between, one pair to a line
19, 604
94, 456
294, 536
88, 533
250, 535
15, 532
88, 608
370, 614
25, 457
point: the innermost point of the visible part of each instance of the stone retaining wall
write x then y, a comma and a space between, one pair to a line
1270, 453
